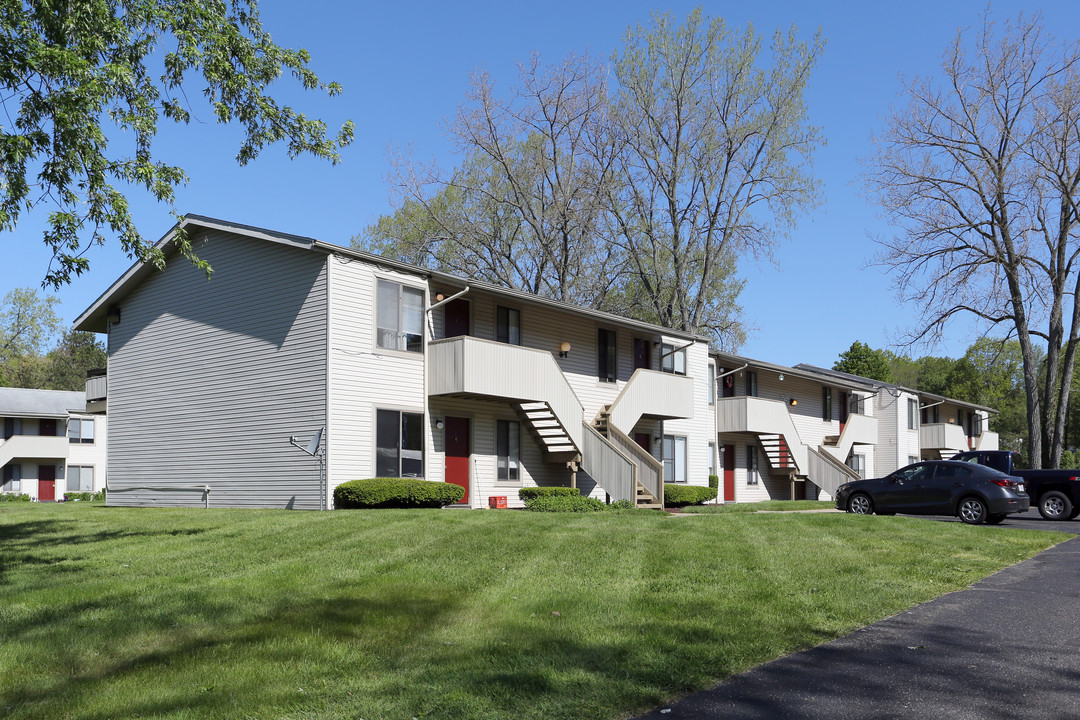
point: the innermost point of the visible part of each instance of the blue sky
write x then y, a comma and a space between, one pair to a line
405, 66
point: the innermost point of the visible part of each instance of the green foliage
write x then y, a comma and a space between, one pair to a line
14, 497
528, 493
714, 482
682, 495
85, 496
622, 505
76, 75
396, 493
75, 355
564, 504
1070, 460
860, 359
28, 322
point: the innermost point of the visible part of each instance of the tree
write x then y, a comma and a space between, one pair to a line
860, 359
637, 197
67, 364
713, 158
27, 323
75, 74
981, 174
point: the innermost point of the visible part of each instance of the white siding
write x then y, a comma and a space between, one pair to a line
363, 377
208, 379
92, 454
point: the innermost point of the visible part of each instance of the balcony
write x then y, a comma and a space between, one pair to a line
858, 430
987, 441
942, 436
652, 394
97, 390
44, 447
761, 417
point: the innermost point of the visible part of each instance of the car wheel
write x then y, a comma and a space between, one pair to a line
860, 504
972, 510
1055, 505
995, 519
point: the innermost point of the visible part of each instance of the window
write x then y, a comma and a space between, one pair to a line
857, 463
674, 450
751, 465
912, 459
751, 383
712, 458
12, 426
80, 478
912, 414
856, 404
826, 403
951, 471
605, 355
508, 325
929, 415
399, 444
917, 473
712, 384
672, 361
508, 449
400, 317
81, 430
977, 424
12, 478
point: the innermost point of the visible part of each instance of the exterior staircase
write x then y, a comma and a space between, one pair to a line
649, 472
778, 453
548, 430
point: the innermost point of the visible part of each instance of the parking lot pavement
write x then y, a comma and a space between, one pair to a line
1031, 520
1007, 648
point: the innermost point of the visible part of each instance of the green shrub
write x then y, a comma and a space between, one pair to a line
620, 505
396, 493
84, 496
682, 495
714, 482
564, 503
528, 493
14, 497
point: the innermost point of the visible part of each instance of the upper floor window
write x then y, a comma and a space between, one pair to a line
81, 430
712, 384
930, 415
606, 357
826, 403
12, 426
912, 414
400, 317
751, 383
976, 424
671, 360
399, 444
856, 404
508, 325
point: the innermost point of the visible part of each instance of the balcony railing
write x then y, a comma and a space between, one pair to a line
942, 436
46, 447
761, 417
653, 394
97, 390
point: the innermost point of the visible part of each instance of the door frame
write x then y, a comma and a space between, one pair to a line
469, 480
51, 483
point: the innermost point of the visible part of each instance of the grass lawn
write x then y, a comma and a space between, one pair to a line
124, 612
767, 505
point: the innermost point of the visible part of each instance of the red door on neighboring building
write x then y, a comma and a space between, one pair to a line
641, 353
727, 383
47, 428
728, 459
46, 483
456, 318
456, 431
843, 410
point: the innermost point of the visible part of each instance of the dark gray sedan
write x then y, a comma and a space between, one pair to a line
974, 493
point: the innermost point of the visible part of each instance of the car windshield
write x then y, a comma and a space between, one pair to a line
913, 472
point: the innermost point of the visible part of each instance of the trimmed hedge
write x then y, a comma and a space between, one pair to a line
682, 495
396, 493
528, 493
85, 496
565, 503
714, 482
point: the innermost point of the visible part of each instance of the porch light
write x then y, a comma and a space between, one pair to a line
793, 402
439, 424
439, 297
781, 377
114, 316
564, 349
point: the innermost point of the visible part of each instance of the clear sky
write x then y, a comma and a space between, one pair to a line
404, 67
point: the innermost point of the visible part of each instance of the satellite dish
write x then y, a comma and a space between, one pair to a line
313, 446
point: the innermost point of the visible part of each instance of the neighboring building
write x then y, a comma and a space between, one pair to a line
798, 432
50, 444
404, 371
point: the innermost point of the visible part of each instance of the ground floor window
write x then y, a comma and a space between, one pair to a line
857, 463
912, 459
508, 449
751, 465
674, 450
399, 444
712, 458
12, 478
80, 478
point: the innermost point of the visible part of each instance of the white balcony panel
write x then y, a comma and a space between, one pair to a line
987, 441
653, 394
942, 436
46, 447
858, 430
762, 417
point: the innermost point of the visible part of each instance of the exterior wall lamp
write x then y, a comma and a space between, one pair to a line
439, 424
564, 349
793, 402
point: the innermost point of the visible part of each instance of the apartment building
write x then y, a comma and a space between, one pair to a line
50, 444
215, 388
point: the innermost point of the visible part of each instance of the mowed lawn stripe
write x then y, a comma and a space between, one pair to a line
116, 612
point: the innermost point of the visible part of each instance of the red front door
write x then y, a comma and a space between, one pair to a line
46, 483
47, 428
641, 353
456, 318
642, 439
843, 410
729, 473
457, 453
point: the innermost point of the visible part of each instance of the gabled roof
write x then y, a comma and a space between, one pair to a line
881, 385
95, 317
25, 402
851, 383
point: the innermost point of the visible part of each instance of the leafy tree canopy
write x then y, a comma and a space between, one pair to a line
860, 359
76, 74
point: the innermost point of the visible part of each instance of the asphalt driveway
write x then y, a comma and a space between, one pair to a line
1008, 647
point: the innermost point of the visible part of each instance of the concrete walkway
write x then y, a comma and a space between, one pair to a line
1008, 647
